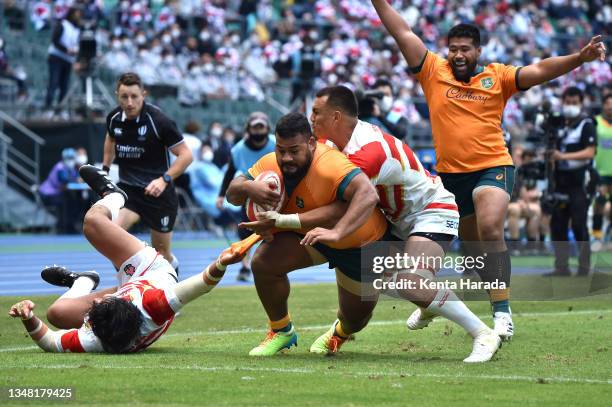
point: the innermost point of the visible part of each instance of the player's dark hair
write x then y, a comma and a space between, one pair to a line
573, 91
465, 31
342, 98
293, 124
116, 322
605, 98
129, 79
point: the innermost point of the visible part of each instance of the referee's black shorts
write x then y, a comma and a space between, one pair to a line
157, 213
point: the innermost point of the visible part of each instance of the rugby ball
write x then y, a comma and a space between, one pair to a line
275, 182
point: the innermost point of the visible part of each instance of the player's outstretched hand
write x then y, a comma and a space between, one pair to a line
321, 235
261, 226
22, 309
593, 50
229, 256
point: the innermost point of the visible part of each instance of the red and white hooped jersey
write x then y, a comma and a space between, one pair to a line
404, 186
152, 292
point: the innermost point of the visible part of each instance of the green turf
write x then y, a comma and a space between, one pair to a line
562, 355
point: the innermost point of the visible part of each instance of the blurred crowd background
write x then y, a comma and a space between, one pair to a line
209, 63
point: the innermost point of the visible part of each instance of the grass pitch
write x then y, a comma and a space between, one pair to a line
562, 355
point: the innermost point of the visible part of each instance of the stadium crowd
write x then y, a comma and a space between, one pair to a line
240, 48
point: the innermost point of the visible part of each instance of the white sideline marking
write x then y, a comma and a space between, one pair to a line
17, 348
377, 323
559, 379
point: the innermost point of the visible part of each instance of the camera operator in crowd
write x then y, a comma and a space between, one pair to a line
574, 183
603, 163
305, 65
369, 108
390, 117
525, 202
63, 54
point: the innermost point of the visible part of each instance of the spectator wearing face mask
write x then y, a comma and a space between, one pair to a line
190, 91
81, 157
206, 179
117, 57
258, 141
53, 190
370, 111
220, 147
390, 113
194, 143
192, 139
229, 135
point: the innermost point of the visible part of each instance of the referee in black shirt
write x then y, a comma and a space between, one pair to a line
139, 138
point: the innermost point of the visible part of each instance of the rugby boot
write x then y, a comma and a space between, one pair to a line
99, 181
62, 277
275, 342
329, 343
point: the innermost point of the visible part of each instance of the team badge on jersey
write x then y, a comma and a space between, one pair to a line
142, 132
487, 83
299, 202
117, 132
129, 270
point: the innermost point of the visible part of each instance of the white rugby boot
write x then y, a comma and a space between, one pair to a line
485, 345
503, 326
419, 319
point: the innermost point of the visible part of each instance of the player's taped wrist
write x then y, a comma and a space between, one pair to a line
284, 221
291, 221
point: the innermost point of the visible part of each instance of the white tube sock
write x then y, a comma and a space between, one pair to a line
195, 286
81, 286
449, 306
113, 202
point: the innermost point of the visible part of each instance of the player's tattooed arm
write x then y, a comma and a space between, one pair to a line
410, 44
40, 333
